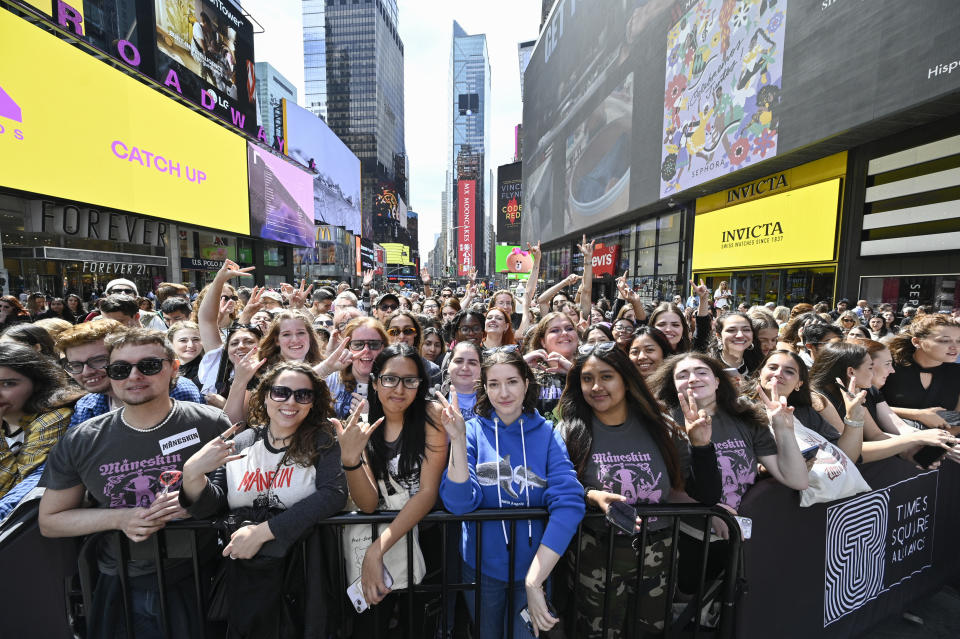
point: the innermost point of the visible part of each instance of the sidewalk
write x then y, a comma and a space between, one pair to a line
941, 619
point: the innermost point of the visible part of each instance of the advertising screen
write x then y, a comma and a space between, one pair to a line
509, 202
388, 211
733, 84
513, 261
124, 146
208, 45
336, 182
281, 199
466, 233
368, 255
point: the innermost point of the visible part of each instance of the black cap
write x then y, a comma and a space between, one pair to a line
388, 296
844, 301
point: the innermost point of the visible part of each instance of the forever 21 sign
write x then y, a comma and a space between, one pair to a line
114, 268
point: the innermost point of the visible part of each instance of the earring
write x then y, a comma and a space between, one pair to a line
750, 348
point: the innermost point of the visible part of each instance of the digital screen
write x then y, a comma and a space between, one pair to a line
209, 45
648, 100
515, 262
509, 202
466, 234
123, 146
281, 199
336, 182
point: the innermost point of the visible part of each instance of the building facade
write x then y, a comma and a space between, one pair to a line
272, 87
353, 69
468, 150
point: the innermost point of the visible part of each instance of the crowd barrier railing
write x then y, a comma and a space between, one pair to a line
680, 618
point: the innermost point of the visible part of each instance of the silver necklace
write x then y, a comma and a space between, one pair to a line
148, 430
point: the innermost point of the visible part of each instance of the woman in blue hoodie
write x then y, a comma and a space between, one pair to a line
508, 456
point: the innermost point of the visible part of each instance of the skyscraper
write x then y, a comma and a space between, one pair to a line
353, 71
271, 88
469, 144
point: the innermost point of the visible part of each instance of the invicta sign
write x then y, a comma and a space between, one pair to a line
748, 235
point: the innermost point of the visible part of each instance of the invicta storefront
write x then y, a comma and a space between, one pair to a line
773, 239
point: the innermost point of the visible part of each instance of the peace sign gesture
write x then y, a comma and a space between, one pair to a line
354, 436
214, 454
700, 290
852, 399
247, 367
451, 417
698, 424
779, 414
299, 297
338, 359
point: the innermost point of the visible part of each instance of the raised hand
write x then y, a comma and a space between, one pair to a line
367, 278
298, 297
472, 275
536, 359
451, 417
557, 363
425, 276
214, 454
586, 248
354, 435
852, 400
248, 366
232, 269
338, 359
701, 289
696, 421
535, 251
779, 414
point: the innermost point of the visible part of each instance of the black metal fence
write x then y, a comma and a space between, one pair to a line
715, 590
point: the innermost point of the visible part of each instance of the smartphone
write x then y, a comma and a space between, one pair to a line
362, 389
928, 455
810, 453
746, 526
623, 516
525, 615
355, 591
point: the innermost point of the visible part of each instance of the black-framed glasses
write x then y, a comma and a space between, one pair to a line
229, 298
357, 345
470, 330
391, 381
147, 366
388, 308
508, 348
283, 393
407, 331
121, 291
623, 328
96, 363
600, 348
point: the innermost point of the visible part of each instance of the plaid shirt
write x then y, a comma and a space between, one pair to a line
94, 404
41, 433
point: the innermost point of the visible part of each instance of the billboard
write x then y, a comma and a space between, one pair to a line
204, 51
466, 221
733, 83
397, 254
605, 260
513, 261
380, 259
281, 199
124, 146
389, 215
509, 202
336, 182
368, 255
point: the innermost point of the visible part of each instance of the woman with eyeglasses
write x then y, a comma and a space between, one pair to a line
36, 403
365, 338
187, 344
433, 347
648, 350
608, 413
467, 325
291, 438
402, 445
403, 328
431, 307
491, 466
926, 376
550, 352
497, 329
623, 330
12, 312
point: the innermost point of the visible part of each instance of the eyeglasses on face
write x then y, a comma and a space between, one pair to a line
229, 298
147, 366
469, 329
391, 381
388, 308
283, 393
622, 328
600, 348
357, 345
509, 348
121, 291
96, 363
407, 331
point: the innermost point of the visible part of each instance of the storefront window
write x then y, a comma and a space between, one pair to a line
647, 233
784, 287
939, 291
274, 255
669, 227
646, 261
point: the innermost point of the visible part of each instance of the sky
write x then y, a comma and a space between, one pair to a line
426, 28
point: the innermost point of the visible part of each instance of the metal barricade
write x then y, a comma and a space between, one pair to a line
680, 618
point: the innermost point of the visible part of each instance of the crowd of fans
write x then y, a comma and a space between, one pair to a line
271, 410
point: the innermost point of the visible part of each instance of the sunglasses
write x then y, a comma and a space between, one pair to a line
300, 396
147, 366
121, 291
232, 298
358, 345
388, 308
406, 331
600, 348
391, 381
95, 363
509, 348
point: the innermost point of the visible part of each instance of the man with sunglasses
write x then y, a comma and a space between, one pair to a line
86, 359
386, 304
130, 462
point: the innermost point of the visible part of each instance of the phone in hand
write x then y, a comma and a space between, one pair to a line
746, 526
929, 455
623, 516
810, 453
355, 591
525, 615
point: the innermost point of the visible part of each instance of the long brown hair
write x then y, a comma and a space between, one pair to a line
922, 326
483, 407
684, 344
270, 349
315, 432
346, 375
